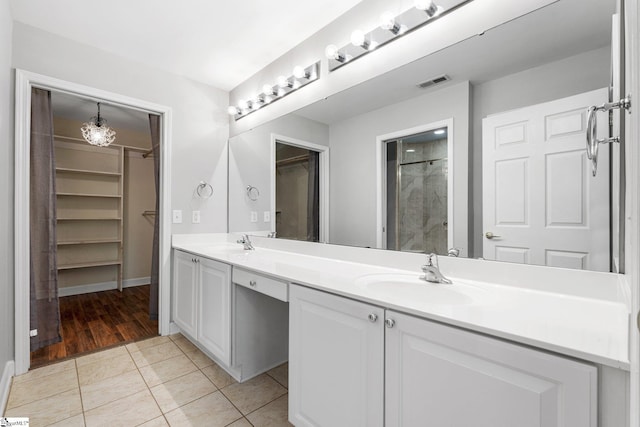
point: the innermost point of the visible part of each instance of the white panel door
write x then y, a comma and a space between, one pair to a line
214, 308
184, 291
438, 375
336, 364
540, 200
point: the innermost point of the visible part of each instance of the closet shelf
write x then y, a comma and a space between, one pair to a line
88, 172
87, 219
109, 196
88, 264
88, 242
82, 141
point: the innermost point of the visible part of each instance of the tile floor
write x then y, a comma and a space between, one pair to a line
162, 381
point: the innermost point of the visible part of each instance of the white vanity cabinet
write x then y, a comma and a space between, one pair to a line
202, 302
336, 361
433, 374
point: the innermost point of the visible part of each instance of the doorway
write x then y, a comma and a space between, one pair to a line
299, 203
25, 82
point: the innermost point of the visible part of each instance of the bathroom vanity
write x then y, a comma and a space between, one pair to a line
370, 344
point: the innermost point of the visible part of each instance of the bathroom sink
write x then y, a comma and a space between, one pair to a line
411, 286
231, 249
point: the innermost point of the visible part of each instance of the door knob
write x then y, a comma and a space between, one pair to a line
489, 235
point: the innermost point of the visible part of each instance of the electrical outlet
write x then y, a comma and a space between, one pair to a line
254, 216
195, 217
266, 216
177, 216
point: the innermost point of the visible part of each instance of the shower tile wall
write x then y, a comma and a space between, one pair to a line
423, 197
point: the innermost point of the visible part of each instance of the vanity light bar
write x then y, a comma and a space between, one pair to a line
391, 27
270, 93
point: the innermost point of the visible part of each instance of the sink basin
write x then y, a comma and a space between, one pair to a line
410, 286
232, 249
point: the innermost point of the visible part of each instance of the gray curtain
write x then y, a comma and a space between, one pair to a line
313, 199
154, 124
44, 306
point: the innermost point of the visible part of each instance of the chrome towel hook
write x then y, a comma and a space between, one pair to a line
592, 129
253, 193
204, 190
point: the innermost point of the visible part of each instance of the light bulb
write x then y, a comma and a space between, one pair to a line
232, 110
358, 38
267, 89
428, 6
439, 131
300, 73
332, 52
243, 105
387, 21
283, 82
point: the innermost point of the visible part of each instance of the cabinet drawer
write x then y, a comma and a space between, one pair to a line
259, 283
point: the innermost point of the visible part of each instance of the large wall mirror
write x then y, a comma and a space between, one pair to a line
479, 148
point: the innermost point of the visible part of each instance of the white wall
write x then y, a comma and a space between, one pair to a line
200, 122
6, 187
570, 76
353, 181
468, 21
250, 164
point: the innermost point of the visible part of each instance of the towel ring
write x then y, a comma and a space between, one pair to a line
253, 193
204, 190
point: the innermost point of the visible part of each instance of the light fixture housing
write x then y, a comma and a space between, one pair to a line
96, 132
358, 38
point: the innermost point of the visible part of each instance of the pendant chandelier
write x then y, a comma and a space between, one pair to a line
96, 132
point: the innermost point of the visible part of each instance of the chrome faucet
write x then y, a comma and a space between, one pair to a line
453, 252
432, 272
248, 246
272, 234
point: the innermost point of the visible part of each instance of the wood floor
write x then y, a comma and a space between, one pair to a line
99, 320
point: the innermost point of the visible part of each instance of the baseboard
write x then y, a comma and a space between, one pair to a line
5, 384
104, 286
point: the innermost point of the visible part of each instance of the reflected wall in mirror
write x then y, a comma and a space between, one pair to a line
556, 55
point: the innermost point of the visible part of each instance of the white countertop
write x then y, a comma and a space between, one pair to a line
585, 315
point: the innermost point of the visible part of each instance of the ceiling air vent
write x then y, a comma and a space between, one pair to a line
434, 81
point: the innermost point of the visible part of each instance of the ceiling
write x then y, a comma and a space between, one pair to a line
219, 43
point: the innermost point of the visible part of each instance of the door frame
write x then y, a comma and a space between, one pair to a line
25, 80
381, 181
324, 180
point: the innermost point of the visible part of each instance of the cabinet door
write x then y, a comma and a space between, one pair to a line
184, 291
443, 376
214, 309
335, 361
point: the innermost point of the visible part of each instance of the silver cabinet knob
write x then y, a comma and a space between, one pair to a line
373, 317
489, 235
390, 323
252, 283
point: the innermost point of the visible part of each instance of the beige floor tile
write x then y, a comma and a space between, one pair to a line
111, 389
251, 395
150, 342
185, 345
176, 336
29, 391
45, 371
218, 375
281, 374
275, 414
50, 410
182, 390
77, 421
129, 411
155, 354
167, 370
200, 359
242, 422
102, 355
100, 369
212, 410
156, 422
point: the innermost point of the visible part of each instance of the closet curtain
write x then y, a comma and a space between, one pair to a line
154, 124
313, 198
44, 305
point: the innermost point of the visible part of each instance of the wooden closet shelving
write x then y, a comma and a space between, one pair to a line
90, 205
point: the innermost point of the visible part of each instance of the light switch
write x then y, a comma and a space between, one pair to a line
254, 216
266, 216
195, 217
177, 216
